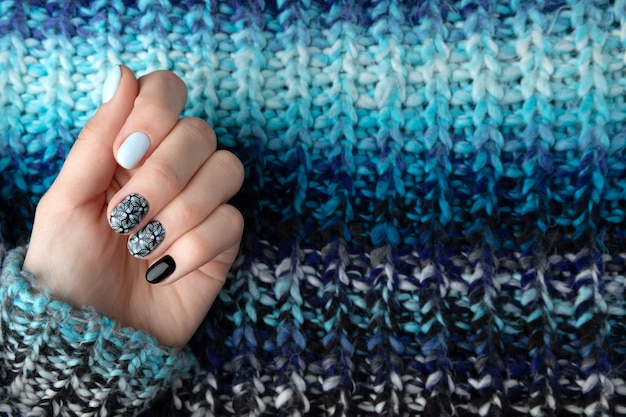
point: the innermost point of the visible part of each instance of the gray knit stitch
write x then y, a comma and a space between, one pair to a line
55, 360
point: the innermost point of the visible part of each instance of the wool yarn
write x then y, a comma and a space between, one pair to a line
435, 192
57, 360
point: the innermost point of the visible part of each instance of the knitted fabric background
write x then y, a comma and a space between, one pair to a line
435, 192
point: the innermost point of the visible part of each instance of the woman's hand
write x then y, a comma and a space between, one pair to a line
137, 224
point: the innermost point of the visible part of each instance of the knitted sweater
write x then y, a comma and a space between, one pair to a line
435, 206
58, 361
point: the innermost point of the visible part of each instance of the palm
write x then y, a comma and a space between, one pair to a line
108, 278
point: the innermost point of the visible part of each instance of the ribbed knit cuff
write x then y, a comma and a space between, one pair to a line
57, 360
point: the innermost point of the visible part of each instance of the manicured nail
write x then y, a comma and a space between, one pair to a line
133, 150
111, 83
146, 240
162, 269
129, 213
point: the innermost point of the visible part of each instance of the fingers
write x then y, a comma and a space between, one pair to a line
191, 210
174, 203
164, 175
161, 99
173, 185
135, 117
90, 165
214, 184
210, 247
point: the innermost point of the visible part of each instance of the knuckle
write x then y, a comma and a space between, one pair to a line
161, 94
156, 107
199, 130
232, 219
91, 129
165, 174
231, 166
190, 214
231, 225
170, 80
90, 135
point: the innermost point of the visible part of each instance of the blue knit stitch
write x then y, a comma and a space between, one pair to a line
434, 192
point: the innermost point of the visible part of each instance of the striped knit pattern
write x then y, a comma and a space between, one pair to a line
435, 192
58, 361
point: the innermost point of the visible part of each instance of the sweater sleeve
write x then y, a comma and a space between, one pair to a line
57, 360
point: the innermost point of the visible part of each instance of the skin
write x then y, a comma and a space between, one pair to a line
78, 257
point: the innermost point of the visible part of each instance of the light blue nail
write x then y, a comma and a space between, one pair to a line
133, 150
111, 83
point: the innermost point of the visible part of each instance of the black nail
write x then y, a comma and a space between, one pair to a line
129, 213
161, 269
146, 240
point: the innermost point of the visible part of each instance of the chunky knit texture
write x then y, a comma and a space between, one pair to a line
435, 193
55, 360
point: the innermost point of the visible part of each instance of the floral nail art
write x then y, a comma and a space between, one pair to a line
128, 214
146, 240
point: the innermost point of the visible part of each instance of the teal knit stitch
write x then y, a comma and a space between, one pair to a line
434, 196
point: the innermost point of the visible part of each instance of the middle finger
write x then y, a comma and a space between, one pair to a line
163, 176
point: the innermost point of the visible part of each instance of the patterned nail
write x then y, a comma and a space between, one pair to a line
146, 240
161, 269
129, 213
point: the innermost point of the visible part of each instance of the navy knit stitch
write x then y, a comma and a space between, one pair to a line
434, 194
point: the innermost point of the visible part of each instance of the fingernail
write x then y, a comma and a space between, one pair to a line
129, 213
146, 240
111, 83
133, 150
162, 269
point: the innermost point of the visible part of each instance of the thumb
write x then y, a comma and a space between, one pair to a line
90, 165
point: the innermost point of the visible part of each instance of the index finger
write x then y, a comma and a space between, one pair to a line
161, 100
